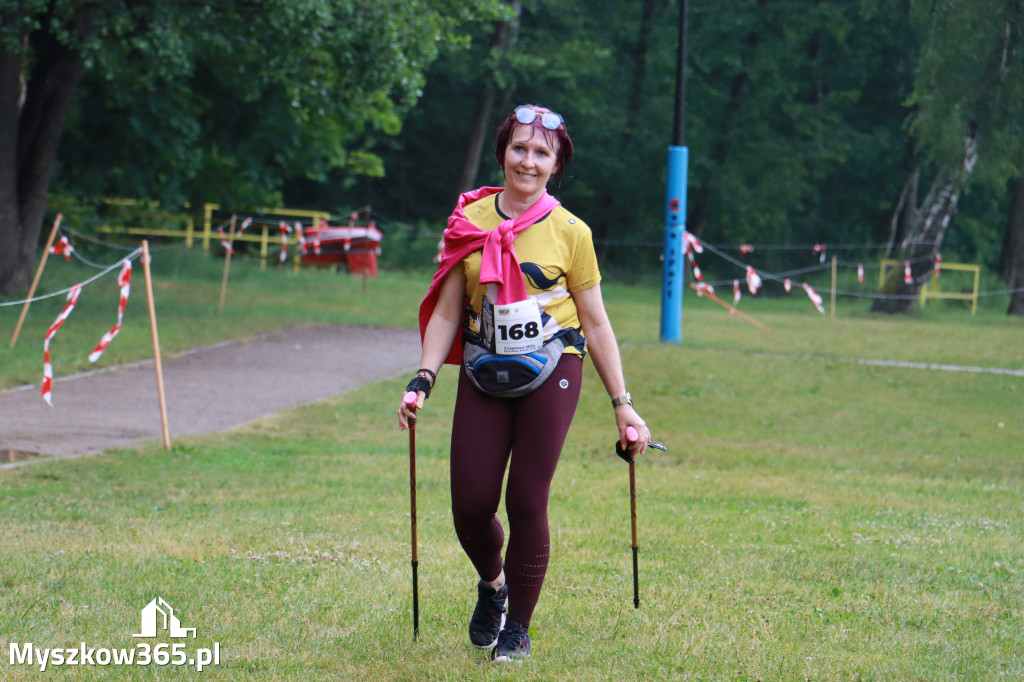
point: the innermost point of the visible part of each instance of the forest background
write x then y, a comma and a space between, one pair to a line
882, 128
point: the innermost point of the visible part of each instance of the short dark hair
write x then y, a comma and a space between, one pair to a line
563, 154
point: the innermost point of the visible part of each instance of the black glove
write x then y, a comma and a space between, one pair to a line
419, 383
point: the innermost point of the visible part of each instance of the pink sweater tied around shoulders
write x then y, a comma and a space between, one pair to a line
499, 264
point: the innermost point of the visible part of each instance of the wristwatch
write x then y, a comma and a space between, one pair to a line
624, 399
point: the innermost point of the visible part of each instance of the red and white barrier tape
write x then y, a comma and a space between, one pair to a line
316, 237
124, 280
753, 281
47, 365
283, 226
63, 248
693, 263
860, 273
228, 245
815, 298
692, 243
224, 240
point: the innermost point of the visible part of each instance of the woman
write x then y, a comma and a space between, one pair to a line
506, 249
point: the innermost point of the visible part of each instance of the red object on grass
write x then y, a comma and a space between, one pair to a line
354, 246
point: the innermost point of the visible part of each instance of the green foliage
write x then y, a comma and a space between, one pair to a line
17, 21
223, 101
970, 72
792, 108
794, 120
803, 120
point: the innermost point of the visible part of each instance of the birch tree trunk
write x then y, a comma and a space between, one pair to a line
928, 228
905, 215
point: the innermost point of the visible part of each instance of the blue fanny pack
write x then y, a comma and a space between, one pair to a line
511, 376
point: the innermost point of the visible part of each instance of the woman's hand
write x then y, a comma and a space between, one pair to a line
408, 407
440, 333
604, 351
626, 416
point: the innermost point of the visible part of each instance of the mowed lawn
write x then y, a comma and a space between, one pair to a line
814, 518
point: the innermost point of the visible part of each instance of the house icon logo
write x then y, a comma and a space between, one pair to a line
159, 613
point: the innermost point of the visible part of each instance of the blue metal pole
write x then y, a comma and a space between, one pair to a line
674, 266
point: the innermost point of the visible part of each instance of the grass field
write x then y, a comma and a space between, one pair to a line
815, 517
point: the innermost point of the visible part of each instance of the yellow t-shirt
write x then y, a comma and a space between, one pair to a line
556, 255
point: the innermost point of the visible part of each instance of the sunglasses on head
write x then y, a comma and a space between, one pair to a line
550, 120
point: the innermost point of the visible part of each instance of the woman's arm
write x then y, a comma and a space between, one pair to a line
440, 332
604, 350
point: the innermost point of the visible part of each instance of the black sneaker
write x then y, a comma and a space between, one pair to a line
488, 616
513, 643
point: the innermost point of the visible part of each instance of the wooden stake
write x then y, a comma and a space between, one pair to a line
733, 311
227, 264
35, 281
832, 307
156, 345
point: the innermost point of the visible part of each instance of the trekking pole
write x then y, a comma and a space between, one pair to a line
410, 402
632, 436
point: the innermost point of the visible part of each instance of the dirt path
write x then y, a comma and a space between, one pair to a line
207, 389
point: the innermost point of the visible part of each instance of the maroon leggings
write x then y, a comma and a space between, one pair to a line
485, 432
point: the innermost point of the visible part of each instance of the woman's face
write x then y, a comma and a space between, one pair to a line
529, 161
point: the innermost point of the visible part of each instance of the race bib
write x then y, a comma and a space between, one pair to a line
517, 328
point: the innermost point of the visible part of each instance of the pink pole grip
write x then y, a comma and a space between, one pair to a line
631, 435
409, 398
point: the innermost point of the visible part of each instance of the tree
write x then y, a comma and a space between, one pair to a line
804, 120
32, 114
967, 97
1012, 256
797, 111
212, 101
494, 85
792, 117
925, 228
796, 120
560, 59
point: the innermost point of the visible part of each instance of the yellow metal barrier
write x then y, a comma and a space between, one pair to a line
931, 288
263, 233
188, 233
149, 211
264, 238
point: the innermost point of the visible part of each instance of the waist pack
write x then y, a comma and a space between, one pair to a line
511, 376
